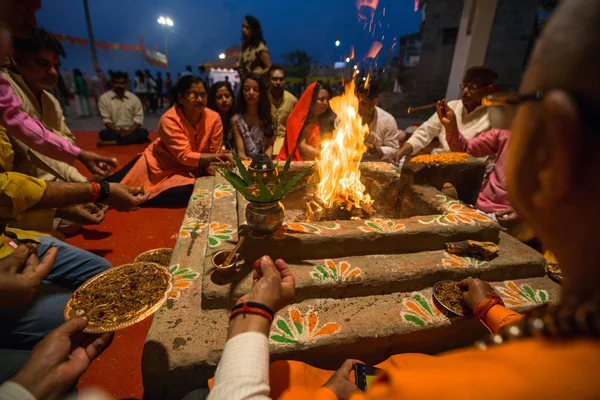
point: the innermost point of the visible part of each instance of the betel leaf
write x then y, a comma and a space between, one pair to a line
242, 169
238, 184
289, 185
286, 168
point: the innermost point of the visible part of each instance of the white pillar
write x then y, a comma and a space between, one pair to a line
471, 44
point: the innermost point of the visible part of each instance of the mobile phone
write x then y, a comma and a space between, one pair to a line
365, 375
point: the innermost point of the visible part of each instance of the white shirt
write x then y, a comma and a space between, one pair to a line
385, 130
469, 124
122, 113
243, 372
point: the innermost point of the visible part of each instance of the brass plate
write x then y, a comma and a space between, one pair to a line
70, 312
155, 255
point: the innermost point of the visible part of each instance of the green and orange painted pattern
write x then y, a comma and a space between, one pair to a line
182, 279
200, 194
420, 311
381, 226
330, 271
457, 213
314, 228
515, 295
223, 190
191, 226
218, 233
302, 328
452, 260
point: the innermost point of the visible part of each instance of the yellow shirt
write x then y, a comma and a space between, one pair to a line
280, 111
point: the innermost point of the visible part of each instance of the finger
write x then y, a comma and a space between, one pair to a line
38, 271
92, 208
438, 108
16, 260
112, 162
284, 270
267, 267
348, 366
71, 327
143, 198
464, 284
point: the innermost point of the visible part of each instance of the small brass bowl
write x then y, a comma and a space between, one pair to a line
224, 270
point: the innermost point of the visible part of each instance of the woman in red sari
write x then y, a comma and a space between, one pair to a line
310, 120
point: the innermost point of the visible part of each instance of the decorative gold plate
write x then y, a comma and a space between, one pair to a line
155, 256
137, 316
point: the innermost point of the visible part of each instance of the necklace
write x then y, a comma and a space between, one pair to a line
577, 320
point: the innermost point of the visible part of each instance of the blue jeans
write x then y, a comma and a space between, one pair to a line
24, 327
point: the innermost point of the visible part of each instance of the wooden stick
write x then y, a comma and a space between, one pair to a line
426, 106
234, 251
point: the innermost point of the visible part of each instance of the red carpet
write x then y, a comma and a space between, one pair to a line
119, 239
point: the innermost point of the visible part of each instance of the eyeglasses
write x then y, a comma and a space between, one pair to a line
195, 96
470, 86
587, 108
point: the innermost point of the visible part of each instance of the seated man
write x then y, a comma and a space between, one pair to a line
282, 103
384, 137
123, 115
471, 116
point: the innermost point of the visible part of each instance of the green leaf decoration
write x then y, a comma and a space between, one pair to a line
316, 276
245, 176
543, 295
283, 326
299, 327
286, 168
237, 182
428, 221
334, 272
289, 185
174, 268
414, 320
374, 226
419, 299
323, 271
182, 271
527, 288
265, 195
212, 241
190, 276
222, 237
282, 339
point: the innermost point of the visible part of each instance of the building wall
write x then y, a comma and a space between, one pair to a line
442, 19
510, 40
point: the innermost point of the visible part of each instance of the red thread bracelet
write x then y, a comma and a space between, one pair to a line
251, 310
95, 192
482, 308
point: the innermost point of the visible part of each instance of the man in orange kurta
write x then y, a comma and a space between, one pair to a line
172, 159
552, 174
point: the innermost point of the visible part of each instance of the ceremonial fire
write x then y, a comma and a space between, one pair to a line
340, 193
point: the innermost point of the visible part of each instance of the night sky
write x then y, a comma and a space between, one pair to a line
205, 28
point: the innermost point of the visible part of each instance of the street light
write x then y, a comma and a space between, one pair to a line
222, 56
347, 59
167, 23
356, 67
337, 43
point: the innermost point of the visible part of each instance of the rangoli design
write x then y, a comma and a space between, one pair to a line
302, 329
452, 260
182, 279
514, 295
219, 233
199, 194
381, 226
191, 226
223, 190
331, 271
421, 311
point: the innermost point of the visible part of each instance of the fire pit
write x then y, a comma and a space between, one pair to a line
366, 244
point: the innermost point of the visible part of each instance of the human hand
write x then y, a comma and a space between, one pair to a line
508, 217
21, 273
96, 163
475, 291
58, 361
404, 151
223, 158
84, 214
340, 382
446, 116
125, 198
274, 285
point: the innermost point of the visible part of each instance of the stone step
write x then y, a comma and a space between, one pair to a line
182, 352
377, 274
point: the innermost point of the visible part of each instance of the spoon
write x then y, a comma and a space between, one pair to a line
234, 251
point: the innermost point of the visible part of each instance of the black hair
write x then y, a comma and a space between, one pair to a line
119, 75
77, 72
257, 33
188, 68
201, 68
276, 68
264, 104
327, 119
38, 40
212, 104
183, 84
372, 89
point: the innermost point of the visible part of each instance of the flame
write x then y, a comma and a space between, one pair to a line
374, 49
339, 161
367, 3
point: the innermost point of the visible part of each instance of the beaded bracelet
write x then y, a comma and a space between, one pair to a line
104, 191
95, 192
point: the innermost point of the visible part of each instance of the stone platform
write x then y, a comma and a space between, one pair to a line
363, 287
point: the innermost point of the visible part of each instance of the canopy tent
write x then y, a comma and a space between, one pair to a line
219, 74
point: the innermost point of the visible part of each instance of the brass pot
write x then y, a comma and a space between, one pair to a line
265, 217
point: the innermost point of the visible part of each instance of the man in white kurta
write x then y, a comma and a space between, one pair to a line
471, 117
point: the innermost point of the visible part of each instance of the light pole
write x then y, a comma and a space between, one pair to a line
167, 23
337, 45
88, 21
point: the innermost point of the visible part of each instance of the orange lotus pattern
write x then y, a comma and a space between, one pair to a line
331, 271
182, 279
191, 226
223, 190
452, 260
199, 194
301, 328
514, 295
381, 226
457, 213
421, 311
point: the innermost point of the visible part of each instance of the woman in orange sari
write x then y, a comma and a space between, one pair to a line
310, 120
190, 139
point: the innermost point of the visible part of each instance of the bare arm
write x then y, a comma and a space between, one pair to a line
239, 142
266, 61
269, 142
307, 152
61, 194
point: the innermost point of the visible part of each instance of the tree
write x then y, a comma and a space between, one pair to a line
300, 60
